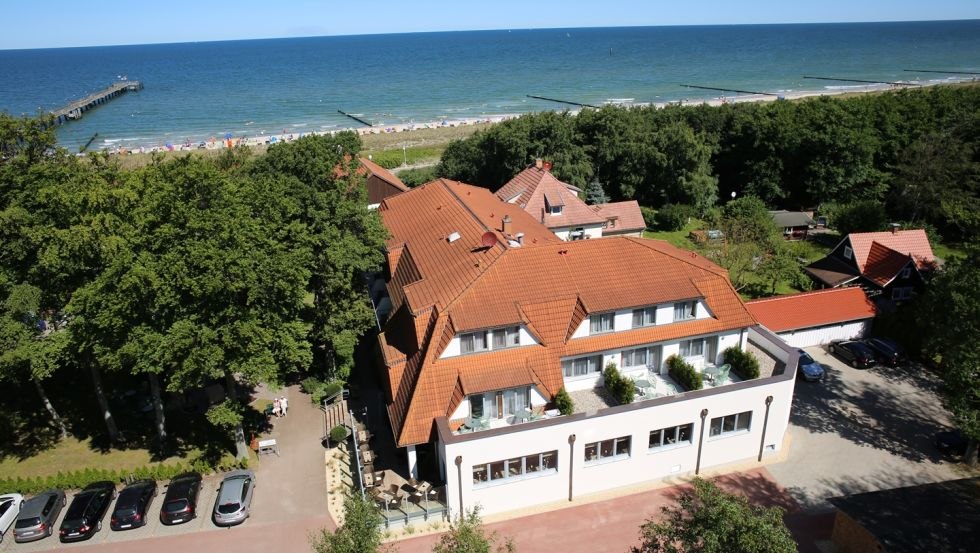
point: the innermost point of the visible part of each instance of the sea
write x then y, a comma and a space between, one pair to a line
250, 88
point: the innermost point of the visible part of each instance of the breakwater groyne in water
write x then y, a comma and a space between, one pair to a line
75, 109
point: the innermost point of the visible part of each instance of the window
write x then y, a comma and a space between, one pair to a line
644, 317
731, 424
848, 252
507, 337
478, 408
672, 436
692, 348
635, 358
685, 310
903, 293
554, 209
473, 342
577, 234
517, 468
500, 404
608, 449
582, 366
906, 272
602, 322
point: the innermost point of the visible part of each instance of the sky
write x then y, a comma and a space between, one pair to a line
61, 23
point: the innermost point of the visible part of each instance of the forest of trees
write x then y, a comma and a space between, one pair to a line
185, 272
909, 155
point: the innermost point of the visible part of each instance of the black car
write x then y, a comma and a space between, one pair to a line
84, 516
950, 442
855, 353
180, 502
886, 351
132, 505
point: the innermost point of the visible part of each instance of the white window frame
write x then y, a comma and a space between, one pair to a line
618, 451
593, 366
670, 437
848, 252
690, 310
645, 320
687, 347
516, 469
741, 423
471, 337
512, 338
906, 272
554, 209
597, 319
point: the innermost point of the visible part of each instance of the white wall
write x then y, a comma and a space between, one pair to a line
590, 231
819, 336
641, 466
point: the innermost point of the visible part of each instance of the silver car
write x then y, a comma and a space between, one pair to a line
38, 515
234, 498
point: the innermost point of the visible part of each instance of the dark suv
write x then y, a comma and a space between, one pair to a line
38, 515
180, 503
132, 505
84, 516
855, 353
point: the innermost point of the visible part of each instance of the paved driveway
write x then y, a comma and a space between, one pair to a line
863, 430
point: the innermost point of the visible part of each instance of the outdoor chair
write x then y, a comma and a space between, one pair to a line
394, 489
723, 371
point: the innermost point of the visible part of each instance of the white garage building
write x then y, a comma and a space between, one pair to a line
816, 318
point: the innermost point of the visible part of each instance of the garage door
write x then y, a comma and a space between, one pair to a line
825, 334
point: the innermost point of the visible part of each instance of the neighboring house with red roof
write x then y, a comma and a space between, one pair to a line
491, 315
888, 264
557, 206
816, 318
380, 182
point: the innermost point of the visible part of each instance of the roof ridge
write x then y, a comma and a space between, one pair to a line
806, 293
646, 242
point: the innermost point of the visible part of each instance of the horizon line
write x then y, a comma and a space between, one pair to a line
769, 24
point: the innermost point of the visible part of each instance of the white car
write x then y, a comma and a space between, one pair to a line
9, 509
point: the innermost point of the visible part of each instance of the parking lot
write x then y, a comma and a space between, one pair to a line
152, 528
862, 430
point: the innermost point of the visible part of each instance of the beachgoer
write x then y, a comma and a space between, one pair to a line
284, 405
276, 408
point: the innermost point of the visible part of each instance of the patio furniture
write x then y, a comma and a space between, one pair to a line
709, 372
723, 371
379, 477
367, 456
368, 479
552, 413
536, 416
645, 387
522, 416
268, 447
363, 437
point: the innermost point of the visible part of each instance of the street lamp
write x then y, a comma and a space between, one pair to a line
733, 194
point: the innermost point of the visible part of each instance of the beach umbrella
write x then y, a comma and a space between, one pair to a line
170, 146
227, 136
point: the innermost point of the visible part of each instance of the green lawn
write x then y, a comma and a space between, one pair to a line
678, 237
947, 251
74, 454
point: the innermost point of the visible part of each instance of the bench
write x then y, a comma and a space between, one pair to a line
268, 447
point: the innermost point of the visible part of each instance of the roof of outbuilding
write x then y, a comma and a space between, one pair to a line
812, 309
785, 218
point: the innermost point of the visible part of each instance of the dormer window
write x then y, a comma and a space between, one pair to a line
601, 322
685, 310
486, 340
553, 203
644, 317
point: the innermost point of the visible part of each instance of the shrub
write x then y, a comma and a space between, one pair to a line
623, 389
649, 216
320, 389
338, 434
743, 363
674, 216
684, 373
80, 478
417, 177
563, 402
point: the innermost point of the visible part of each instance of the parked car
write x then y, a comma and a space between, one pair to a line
950, 442
132, 505
9, 509
38, 516
86, 511
855, 353
234, 498
180, 501
886, 351
808, 369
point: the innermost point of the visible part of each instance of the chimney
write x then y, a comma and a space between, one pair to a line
895, 227
538, 163
547, 165
505, 224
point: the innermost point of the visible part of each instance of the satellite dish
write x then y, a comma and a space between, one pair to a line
489, 239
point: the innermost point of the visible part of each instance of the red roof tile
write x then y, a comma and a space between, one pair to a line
533, 188
810, 309
383, 174
912, 242
883, 264
626, 216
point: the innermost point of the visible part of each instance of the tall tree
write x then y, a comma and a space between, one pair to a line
467, 535
708, 520
595, 193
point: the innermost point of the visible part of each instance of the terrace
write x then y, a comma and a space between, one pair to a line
652, 386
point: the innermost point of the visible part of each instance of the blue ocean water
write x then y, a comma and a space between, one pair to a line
197, 90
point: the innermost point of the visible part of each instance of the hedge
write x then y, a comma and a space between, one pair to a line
78, 479
743, 363
563, 402
623, 389
320, 389
672, 217
684, 373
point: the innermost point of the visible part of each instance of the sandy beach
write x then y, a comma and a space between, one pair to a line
434, 133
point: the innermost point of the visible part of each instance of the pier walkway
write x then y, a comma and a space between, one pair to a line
75, 109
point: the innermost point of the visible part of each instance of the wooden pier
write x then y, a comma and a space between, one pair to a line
75, 109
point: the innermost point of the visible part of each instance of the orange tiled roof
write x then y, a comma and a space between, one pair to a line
912, 242
628, 217
809, 309
383, 174
545, 284
883, 264
531, 187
